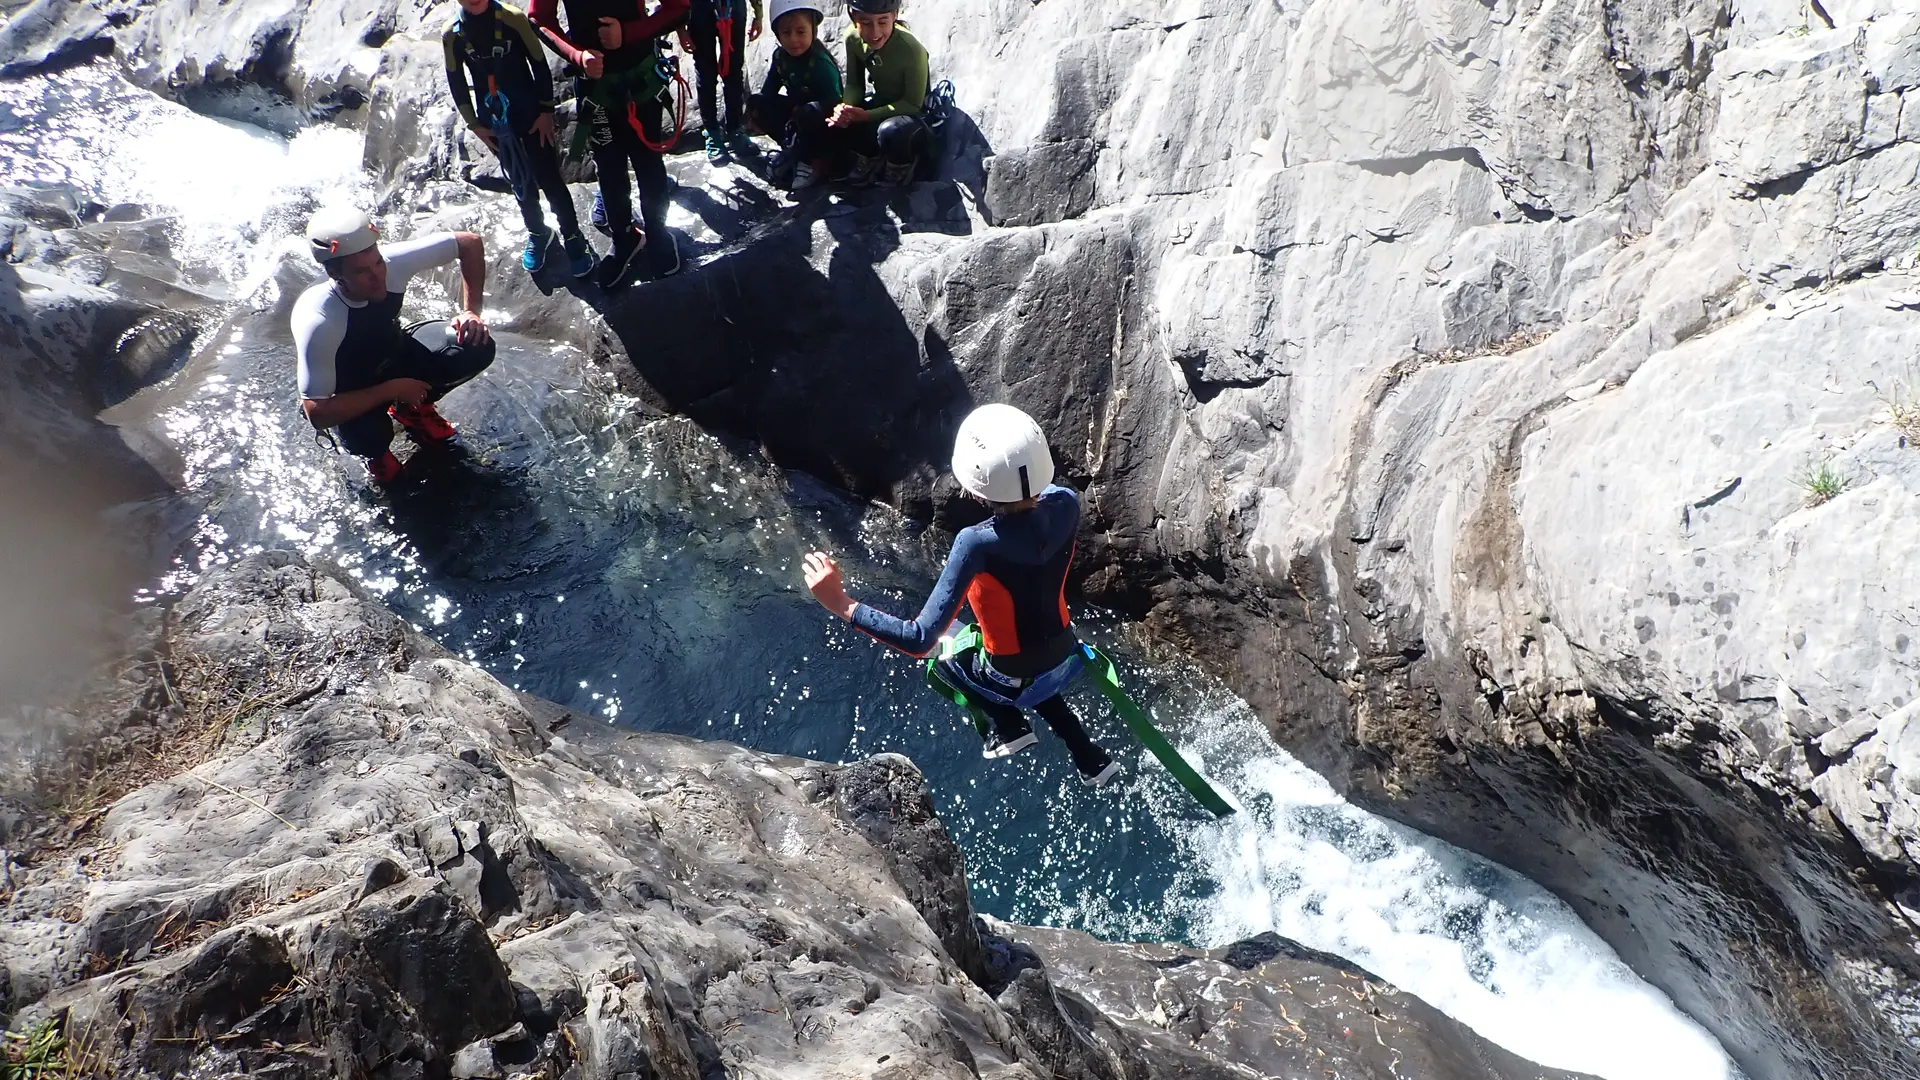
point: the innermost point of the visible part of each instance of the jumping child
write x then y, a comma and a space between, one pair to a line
801, 88
879, 117
1012, 570
500, 82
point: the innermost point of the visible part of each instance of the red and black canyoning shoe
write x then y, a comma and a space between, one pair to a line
385, 470
423, 422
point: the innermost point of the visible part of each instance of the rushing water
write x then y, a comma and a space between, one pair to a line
644, 571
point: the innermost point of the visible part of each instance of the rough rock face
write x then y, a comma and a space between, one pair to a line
1511, 400
387, 864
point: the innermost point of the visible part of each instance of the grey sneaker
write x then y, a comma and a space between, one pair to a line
896, 173
863, 171
803, 177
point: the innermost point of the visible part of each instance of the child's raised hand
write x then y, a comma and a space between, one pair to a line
594, 64
822, 575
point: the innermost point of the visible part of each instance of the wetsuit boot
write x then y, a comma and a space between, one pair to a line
424, 424
385, 471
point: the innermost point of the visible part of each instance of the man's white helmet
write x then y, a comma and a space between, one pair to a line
780, 7
337, 232
1001, 455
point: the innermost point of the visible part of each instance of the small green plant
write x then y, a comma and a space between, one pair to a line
1822, 482
38, 1053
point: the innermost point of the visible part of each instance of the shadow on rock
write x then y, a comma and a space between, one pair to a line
821, 368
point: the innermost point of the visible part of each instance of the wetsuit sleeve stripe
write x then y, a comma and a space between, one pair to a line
648, 27
457, 77
316, 343
545, 14
917, 638
410, 257
536, 56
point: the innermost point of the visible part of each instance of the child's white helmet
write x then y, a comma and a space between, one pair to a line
777, 8
1001, 455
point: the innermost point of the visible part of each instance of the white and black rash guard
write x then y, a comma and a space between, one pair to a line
341, 343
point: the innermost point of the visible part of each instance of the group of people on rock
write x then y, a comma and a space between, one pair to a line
361, 371
865, 128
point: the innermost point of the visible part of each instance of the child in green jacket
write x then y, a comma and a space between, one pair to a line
879, 116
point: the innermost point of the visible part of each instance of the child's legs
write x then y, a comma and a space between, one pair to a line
806, 131
610, 164
901, 138
543, 161
767, 114
518, 167
648, 170
706, 61
1087, 755
735, 82
862, 139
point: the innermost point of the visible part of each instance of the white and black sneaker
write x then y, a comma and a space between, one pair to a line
663, 255
995, 747
619, 260
1100, 777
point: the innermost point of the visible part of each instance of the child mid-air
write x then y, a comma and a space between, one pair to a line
800, 92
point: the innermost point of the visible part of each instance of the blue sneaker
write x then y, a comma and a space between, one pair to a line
598, 215
535, 256
580, 258
717, 148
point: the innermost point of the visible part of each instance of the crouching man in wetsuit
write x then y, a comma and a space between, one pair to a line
358, 366
1012, 570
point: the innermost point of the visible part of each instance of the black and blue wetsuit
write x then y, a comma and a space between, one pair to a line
1012, 570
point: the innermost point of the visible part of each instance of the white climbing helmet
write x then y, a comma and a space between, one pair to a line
780, 7
1001, 455
336, 232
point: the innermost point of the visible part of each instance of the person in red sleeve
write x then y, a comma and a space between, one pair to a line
614, 46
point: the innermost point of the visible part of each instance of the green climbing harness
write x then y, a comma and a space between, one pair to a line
953, 649
616, 94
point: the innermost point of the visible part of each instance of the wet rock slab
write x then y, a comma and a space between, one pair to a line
379, 861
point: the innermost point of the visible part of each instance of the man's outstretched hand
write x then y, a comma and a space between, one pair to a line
823, 581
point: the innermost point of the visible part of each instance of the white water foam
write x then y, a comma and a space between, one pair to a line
236, 193
1475, 940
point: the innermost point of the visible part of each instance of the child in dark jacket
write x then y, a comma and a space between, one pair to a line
498, 73
716, 35
801, 90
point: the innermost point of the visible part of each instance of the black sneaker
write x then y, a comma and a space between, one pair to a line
663, 255
1098, 771
619, 260
998, 747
